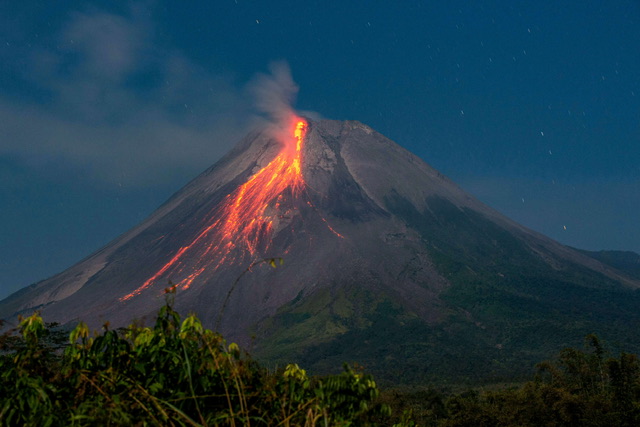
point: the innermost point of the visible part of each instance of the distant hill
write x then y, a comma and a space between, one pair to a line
626, 261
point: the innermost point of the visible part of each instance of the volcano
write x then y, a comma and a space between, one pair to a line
385, 262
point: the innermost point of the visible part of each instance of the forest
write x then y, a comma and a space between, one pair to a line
179, 373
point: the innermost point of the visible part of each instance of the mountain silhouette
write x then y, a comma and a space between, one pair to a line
385, 261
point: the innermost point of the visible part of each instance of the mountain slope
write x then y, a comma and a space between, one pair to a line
625, 261
386, 262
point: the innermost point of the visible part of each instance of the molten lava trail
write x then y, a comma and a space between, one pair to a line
244, 221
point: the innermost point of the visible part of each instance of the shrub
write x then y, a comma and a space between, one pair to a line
176, 373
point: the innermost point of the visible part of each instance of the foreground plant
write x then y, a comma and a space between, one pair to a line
176, 373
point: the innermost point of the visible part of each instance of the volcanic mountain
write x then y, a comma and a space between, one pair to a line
385, 262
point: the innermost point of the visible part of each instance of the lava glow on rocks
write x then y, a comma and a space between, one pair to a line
245, 220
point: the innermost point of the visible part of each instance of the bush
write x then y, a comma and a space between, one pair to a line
176, 373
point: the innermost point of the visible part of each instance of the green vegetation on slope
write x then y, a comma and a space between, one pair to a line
505, 309
508, 307
626, 261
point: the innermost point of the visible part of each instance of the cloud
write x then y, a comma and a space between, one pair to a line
119, 107
109, 45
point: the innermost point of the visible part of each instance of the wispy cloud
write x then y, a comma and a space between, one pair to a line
115, 104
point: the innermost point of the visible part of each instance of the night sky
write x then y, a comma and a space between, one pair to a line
107, 108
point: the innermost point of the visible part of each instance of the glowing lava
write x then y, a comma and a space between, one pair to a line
244, 221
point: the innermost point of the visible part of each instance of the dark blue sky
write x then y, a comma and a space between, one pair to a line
106, 110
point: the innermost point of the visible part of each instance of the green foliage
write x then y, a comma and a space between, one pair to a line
579, 388
176, 373
179, 373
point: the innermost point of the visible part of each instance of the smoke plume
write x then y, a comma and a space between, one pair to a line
275, 94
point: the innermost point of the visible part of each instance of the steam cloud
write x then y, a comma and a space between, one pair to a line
275, 93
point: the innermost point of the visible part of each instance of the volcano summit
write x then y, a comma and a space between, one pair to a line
386, 262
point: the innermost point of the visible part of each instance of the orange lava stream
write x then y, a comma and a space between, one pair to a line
246, 219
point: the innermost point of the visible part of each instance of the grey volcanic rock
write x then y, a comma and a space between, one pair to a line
381, 252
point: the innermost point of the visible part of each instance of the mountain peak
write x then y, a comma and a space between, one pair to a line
369, 233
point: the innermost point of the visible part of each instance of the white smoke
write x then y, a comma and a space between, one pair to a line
274, 96
275, 93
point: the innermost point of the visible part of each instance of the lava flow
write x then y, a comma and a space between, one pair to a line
245, 220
